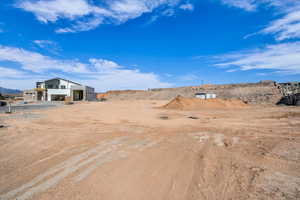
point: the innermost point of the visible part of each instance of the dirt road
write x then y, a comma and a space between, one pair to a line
133, 150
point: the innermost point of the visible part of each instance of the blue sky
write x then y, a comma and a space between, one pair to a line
140, 44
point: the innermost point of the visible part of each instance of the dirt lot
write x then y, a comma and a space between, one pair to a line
132, 150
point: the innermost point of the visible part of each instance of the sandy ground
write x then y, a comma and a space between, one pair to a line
132, 150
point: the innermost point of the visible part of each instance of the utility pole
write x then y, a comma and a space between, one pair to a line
9, 107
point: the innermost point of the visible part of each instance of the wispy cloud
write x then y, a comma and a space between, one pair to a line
253, 5
48, 45
8, 72
80, 26
287, 24
187, 6
170, 12
100, 73
51, 11
287, 27
36, 62
44, 43
248, 5
87, 15
280, 58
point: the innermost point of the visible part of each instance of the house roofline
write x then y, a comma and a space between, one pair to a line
64, 80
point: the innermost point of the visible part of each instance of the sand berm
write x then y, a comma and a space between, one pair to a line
183, 103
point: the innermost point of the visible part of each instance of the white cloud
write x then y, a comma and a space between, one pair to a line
125, 79
44, 43
52, 10
48, 45
87, 15
168, 12
231, 70
102, 65
281, 4
99, 73
187, 6
165, 13
281, 58
20, 83
287, 27
128, 9
8, 72
249, 5
109, 75
252, 5
36, 62
80, 26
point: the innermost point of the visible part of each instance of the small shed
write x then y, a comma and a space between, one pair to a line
206, 95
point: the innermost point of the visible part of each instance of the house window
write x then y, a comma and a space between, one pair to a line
62, 87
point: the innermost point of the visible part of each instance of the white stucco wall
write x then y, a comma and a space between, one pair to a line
77, 87
67, 84
66, 92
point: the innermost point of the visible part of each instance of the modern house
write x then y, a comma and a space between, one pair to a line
58, 89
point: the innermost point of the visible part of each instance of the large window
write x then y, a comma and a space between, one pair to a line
62, 87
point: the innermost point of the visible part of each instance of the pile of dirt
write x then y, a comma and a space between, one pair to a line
182, 103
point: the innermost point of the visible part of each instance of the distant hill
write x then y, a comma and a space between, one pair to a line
9, 91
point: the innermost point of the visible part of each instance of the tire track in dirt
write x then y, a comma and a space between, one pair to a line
85, 162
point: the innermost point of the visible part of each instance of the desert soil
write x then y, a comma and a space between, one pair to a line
133, 150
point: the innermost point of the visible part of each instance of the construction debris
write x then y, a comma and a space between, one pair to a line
192, 117
290, 100
164, 117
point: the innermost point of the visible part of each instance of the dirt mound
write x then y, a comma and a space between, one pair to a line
182, 103
207, 85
